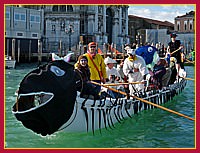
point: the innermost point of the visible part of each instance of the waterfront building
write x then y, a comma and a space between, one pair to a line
64, 28
23, 31
38, 30
144, 30
185, 29
67, 26
185, 23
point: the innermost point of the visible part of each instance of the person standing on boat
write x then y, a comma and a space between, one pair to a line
96, 65
135, 69
83, 83
174, 49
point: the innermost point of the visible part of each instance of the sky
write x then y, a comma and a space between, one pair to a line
160, 12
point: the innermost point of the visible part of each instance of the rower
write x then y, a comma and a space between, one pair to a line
174, 49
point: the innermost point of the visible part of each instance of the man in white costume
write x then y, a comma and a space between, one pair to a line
136, 70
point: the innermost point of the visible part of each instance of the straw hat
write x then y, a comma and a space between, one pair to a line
127, 48
131, 51
109, 60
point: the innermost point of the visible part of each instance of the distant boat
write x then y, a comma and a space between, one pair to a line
9, 63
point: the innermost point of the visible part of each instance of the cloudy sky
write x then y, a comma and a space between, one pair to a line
160, 12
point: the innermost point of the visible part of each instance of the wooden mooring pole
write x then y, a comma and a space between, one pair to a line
39, 52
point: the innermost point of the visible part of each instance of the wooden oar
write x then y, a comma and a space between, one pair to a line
187, 78
123, 83
174, 51
189, 61
145, 101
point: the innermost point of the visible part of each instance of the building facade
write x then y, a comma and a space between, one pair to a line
144, 30
67, 26
185, 29
63, 28
23, 29
185, 23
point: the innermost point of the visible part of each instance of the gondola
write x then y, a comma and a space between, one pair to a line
48, 102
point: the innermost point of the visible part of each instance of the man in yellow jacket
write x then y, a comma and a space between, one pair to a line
96, 65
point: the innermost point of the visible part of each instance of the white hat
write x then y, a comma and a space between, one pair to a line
131, 51
127, 47
109, 60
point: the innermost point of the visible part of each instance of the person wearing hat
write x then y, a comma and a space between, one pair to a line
174, 50
135, 69
112, 73
113, 76
83, 78
96, 65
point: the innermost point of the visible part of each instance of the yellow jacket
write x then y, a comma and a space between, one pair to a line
99, 61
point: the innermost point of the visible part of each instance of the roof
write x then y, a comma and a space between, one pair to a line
190, 14
157, 22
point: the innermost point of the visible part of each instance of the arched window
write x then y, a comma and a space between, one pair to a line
178, 25
69, 8
109, 23
191, 24
185, 25
63, 8
55, 8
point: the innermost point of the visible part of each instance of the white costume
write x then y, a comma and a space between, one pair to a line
128, 69
112, 71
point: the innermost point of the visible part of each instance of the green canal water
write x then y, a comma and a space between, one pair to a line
149, 129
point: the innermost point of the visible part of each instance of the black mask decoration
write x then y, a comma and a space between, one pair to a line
46, 97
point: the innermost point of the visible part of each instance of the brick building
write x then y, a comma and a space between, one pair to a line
185, 23
185, 29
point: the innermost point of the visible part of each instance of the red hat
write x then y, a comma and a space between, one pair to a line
173, 35
92, 44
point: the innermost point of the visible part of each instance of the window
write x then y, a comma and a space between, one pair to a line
23, 17
62, 25
20, 17
55, 8
16, 16
63, 8
32, 18
185, 25
35, 18
191, 24
19, 34
7, 15
178, 25
53, 28
34, 35
69, 8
